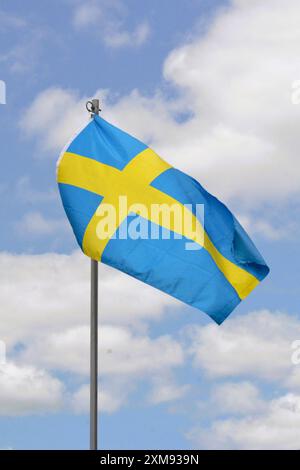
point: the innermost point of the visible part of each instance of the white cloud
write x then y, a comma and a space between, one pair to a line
36, 223
135, 38
26, 45
293, 380
108, 19
236, 398
121, 352
277, 228
27, 390
277, 427
10, 21
165, 389
127, 354
87, 14
66, 350
49, 317
110, 399
53, 295
125, 358
257, 344
26, 192
238, 79
63, 114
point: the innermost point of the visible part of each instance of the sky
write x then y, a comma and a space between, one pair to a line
213, 87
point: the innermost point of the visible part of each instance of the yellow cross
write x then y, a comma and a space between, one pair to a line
134, 182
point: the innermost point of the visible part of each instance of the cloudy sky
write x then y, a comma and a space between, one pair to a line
212, 86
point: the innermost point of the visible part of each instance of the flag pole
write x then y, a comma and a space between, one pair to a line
94, 357
93, 108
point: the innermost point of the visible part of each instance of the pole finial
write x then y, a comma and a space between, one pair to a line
93, 106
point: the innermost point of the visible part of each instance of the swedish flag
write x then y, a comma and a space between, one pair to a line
110, 183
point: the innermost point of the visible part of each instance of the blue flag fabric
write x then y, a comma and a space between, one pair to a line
131, 210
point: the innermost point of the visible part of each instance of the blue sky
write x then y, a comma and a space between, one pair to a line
209, 86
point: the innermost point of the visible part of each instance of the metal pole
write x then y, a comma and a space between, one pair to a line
94, 357
94, 109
